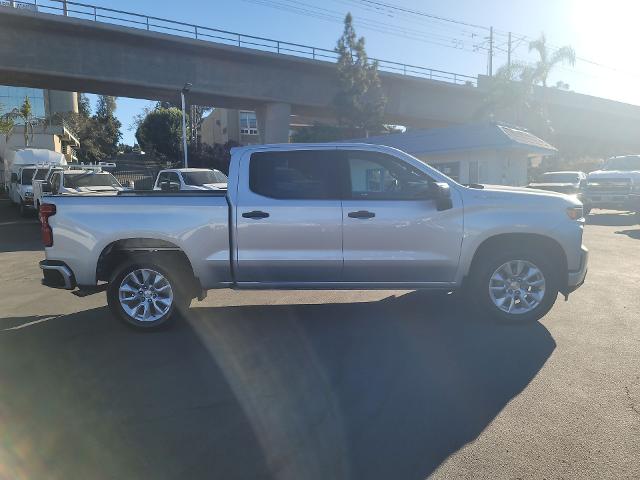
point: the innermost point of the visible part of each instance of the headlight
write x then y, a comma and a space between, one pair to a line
28, 194
575, 213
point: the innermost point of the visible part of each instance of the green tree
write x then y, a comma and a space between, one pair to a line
108, 126
99, 134
319, 132
360, 101
84, 105
160, 132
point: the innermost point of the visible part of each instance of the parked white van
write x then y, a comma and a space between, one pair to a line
20, 169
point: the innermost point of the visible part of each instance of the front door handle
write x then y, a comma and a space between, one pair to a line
361, 214
257, 214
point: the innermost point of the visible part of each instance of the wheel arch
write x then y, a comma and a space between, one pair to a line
532, 241
130, 249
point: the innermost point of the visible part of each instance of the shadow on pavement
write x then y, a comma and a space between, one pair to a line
635, 234
374, 390
623, 219
18, 233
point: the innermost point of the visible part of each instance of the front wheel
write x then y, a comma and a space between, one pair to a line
145, 295
515, 286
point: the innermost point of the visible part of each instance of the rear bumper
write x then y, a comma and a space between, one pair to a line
57, 274
576, 278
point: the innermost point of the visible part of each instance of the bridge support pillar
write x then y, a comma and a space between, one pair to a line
273, 122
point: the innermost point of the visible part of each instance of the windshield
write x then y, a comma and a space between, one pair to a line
204, 177
27, 176
623, 163
561, 177
79, 180
40, 174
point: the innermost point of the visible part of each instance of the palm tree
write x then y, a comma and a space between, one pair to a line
548, 60
510, 95
25, 113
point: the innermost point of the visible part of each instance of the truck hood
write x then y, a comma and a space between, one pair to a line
553, 185
95, 189
614, 174
207, 186
525, 196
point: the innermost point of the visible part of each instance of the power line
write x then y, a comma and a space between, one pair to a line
422, 14
303, 8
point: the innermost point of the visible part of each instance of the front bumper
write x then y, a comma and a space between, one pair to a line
56, 274
609, 201
576, 278
634, 202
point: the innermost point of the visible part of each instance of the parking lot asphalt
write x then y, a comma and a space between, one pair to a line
321, 385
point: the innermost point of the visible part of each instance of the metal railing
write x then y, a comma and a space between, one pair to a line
189, 30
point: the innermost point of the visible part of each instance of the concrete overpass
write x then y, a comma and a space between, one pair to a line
64, 53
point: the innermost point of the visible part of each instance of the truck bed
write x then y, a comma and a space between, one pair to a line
195, 222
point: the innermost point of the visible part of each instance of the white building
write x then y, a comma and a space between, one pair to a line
476, 153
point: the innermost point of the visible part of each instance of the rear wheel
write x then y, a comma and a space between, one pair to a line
515, 286
146, 295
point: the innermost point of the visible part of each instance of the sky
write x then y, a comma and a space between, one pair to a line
603, 34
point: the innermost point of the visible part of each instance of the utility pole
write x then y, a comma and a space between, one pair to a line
509, 53
185, 89
490, 68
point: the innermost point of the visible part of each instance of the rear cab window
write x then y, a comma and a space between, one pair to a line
295, 174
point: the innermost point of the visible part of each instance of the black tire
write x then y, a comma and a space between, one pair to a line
176, 280
490, 262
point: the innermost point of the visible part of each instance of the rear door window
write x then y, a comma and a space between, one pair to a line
378, 176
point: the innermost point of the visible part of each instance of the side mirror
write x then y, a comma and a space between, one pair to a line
442, 196
174, 186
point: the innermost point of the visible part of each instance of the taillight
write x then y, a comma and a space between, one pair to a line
46, 210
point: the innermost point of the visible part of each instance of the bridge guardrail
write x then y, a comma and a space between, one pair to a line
163, 25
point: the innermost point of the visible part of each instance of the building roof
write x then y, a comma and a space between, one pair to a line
468, 137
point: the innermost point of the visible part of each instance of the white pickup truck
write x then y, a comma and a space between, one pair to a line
175, 179
615, 186
75, 180
338, 216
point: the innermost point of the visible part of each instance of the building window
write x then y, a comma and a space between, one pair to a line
248, 123
13, 97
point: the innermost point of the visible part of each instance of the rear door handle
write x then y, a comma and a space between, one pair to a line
361, 214
257, 214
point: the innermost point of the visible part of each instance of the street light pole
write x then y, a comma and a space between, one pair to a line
185, 89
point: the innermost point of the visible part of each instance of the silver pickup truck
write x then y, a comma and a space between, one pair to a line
326, 216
